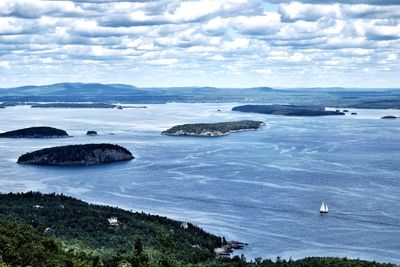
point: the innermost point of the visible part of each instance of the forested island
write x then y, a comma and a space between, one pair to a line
213, 129
287, 110
77, 155
91, 132
35, 132
56, 230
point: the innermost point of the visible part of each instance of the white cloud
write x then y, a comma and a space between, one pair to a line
163, 61
236, 44
391, 57
266, 71
218, 58
5, 64
188, 37
299, 57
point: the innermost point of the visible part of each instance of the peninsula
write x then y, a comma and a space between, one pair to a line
35, 132
213, 129
77, 155
287, 110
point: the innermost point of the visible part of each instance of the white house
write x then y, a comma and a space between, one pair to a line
113, 220
184, 225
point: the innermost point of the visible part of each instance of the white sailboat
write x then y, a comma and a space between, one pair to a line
323, 208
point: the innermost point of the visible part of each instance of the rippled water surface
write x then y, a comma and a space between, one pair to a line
262, 187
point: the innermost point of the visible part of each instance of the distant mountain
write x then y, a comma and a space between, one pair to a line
76, 92
111, 93
121, 93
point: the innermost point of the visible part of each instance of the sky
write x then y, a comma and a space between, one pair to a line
221, 43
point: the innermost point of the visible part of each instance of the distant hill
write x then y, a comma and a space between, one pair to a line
76, 92
121, 93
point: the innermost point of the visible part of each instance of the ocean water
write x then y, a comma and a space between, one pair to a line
261, 187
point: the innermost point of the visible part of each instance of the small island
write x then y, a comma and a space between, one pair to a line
77, 155
35, 132
213, 129
287, 110
389, 117
91, 133
72, 105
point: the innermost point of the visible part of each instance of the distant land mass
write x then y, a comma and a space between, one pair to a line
390, 117
73, 105
35, 132
287, 110
121, 93
77, 155
213, 129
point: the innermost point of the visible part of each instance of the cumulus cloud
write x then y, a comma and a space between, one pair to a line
240, 42
293, 11
36, 9
369, 2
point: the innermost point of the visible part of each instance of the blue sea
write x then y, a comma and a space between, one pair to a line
261, 187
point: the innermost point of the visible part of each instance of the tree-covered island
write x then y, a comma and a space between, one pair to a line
35, 132
213, 129
77, 155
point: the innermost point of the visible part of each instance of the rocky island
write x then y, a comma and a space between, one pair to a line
389, 117
35, 132
213, 129
91, 133
77, 155
287, 110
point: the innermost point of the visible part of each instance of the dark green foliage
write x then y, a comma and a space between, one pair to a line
75, 155
22, 245
35, 132
221, 127
84, 225
80, 235
287, 110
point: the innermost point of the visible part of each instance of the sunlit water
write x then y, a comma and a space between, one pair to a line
261, 187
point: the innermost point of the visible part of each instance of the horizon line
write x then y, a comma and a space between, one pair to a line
197, 86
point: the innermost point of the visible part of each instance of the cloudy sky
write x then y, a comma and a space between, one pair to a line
223, 43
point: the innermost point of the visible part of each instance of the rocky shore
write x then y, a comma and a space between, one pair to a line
225, 250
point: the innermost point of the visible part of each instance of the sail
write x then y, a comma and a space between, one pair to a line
326, 208
322, 208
